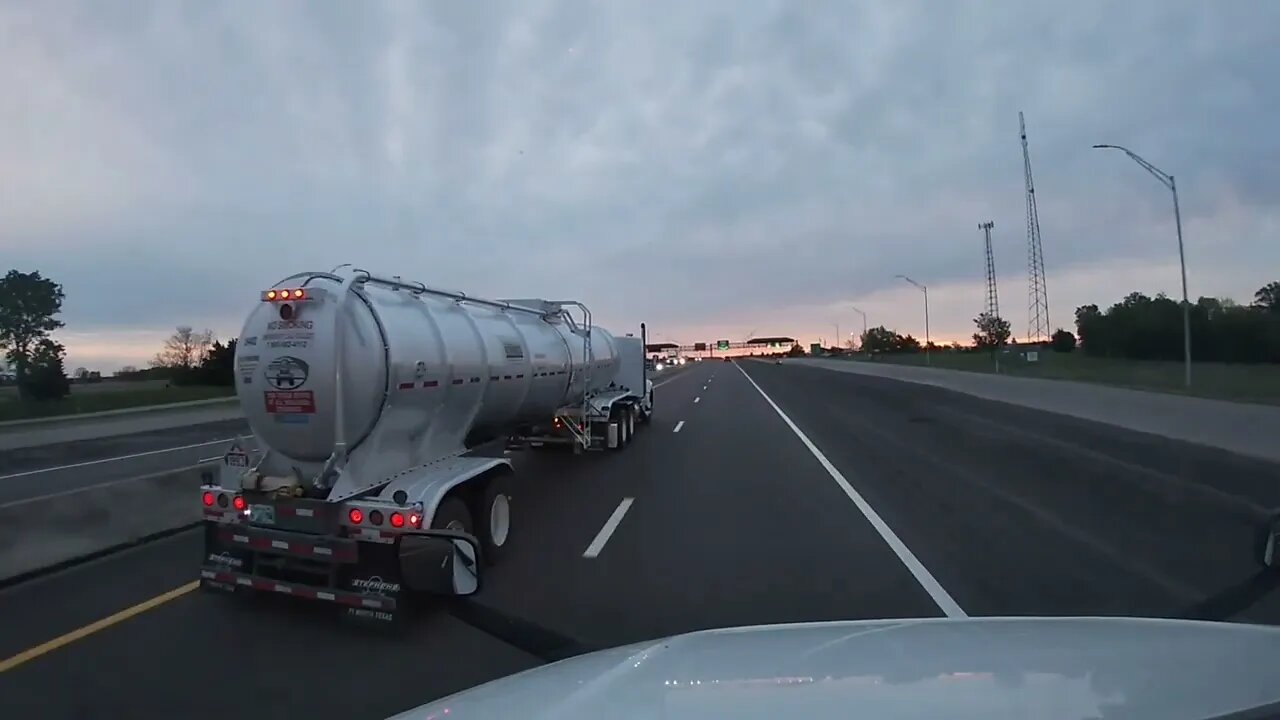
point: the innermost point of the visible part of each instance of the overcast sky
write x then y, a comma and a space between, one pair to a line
713, 168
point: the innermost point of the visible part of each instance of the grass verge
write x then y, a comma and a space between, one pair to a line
87, 402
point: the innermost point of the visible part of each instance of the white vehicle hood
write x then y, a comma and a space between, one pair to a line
935, 668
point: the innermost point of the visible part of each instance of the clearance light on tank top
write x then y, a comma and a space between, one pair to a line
285, 294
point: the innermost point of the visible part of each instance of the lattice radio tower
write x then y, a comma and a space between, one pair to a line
1037, 296
992, 307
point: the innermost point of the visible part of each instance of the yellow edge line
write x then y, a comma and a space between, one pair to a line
91, 628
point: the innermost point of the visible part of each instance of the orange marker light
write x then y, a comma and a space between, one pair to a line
297, 294
271, 294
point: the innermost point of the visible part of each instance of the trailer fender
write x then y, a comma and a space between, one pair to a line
437, 482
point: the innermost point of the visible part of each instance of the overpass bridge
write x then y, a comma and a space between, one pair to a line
761, 345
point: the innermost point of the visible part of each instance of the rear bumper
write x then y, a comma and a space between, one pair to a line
362, 578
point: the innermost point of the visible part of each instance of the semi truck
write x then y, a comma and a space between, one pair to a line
384, 414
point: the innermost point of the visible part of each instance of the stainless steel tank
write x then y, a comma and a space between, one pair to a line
420, 372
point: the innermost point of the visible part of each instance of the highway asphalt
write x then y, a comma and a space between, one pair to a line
899, 500
60, 467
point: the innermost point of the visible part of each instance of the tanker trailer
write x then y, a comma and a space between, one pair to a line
384, 409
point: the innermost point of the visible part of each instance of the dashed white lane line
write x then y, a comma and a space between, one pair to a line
88, 463
610, 525
704, 387
945, 602
678, 426
697, 400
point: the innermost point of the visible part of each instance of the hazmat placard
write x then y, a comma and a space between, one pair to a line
290, 402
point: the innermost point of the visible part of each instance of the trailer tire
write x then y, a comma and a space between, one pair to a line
493, 517
646, 415
452, 515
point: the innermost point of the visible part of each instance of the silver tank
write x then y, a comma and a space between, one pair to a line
421, 372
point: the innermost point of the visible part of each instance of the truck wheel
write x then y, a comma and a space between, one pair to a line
493, 517
646, 415
624, 426
618, 417
452, 515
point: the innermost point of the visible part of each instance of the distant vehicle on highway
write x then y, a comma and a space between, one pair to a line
726, 359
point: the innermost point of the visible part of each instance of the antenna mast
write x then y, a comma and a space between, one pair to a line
1037, 296
992, 307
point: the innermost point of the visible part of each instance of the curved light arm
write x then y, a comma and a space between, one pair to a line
1159, 174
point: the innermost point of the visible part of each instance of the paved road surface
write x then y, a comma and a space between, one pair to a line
60, 467
925, 502
49, 468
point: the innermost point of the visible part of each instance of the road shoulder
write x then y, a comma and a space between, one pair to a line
1241, 428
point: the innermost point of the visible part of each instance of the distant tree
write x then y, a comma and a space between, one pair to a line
80, 373
1063, 341
879, 339
795, 351
28, 306
184, 350
218, 367
906, 343
1268, 297
993, 332
128, 370
45, 378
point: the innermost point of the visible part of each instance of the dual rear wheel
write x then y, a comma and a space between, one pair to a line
486, 514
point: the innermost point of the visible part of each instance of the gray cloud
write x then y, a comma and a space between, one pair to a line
692, 164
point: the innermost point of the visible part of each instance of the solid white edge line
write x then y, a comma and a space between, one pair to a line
940, 596
87, 463
678, 426
610, 525
83, 488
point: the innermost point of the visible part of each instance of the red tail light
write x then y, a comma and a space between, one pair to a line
397, 520
238, 503
415, 520
355, 516
207, 498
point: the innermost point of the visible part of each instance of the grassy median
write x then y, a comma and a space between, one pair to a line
107, 395
1224, 381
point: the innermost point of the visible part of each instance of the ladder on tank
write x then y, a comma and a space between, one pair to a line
581, 430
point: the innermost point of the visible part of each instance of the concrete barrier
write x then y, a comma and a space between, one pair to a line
44, 534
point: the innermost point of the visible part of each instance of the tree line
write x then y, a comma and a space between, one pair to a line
29, 307
1138, 327
1151, 328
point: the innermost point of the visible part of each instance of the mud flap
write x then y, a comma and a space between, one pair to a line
376, 576
219, 556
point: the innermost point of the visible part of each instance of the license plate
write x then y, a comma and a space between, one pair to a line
237, 460
264, 514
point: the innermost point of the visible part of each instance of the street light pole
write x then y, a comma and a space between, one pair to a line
863, 339
925, 290
1168, 181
